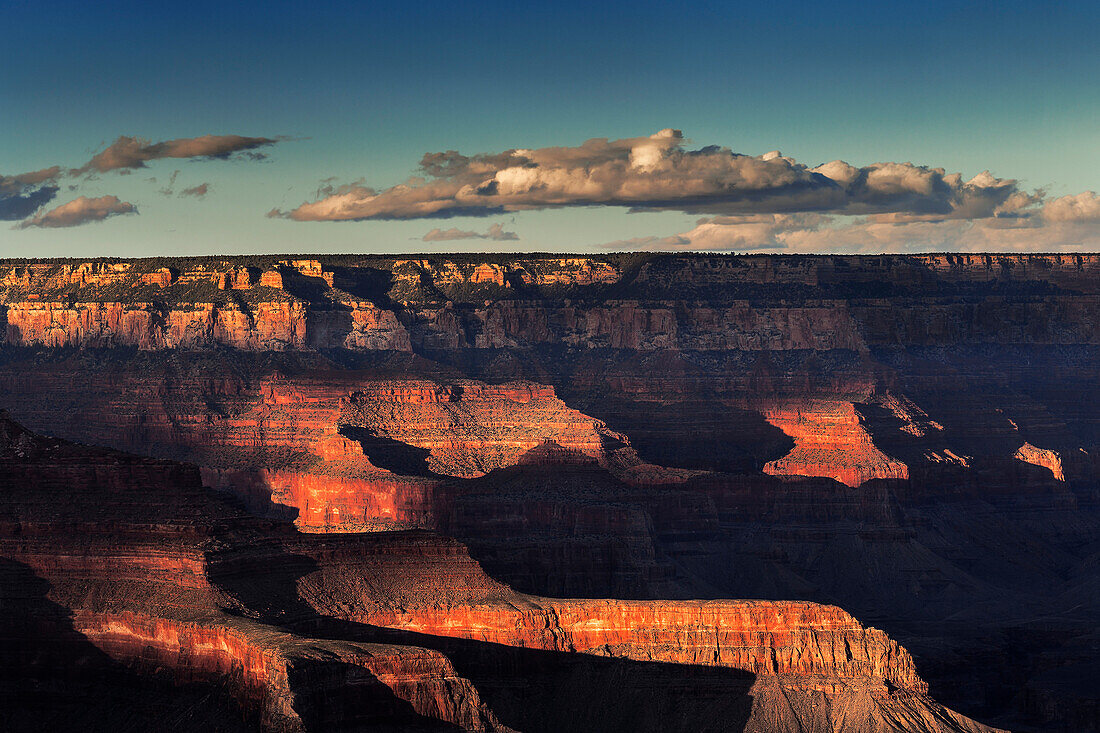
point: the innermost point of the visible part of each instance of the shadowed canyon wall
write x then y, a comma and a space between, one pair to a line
117, 569
911, 438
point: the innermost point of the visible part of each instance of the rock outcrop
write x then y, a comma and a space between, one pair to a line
1044, 457
829, 441
647, 303
910, 437
140, 563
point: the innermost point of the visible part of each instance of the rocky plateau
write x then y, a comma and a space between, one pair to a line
518, 492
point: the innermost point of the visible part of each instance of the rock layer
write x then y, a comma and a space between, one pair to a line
174, 580
912, 438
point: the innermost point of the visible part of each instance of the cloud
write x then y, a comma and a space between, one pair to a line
197, 191
1065, 224
727, 233
34, 178
22, 195
988, 235
658, 173
1081, 207
496, 233
128, 153
79, 211
169, 188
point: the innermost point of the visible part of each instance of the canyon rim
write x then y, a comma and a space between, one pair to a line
390, 493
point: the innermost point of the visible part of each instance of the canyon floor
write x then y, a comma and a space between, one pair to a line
547, 493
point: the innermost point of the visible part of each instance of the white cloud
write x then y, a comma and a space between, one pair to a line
1081, 207
658, 173
808, 233
727, 234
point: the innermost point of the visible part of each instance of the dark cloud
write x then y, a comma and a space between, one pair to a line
658, 173
127, 153
82, 210
169, 188
22, 195
496, 233
197, 191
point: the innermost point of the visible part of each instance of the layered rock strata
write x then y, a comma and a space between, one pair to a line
829, 441
912, 438
140, 563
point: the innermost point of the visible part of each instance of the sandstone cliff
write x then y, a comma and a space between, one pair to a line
173, 580
912, 438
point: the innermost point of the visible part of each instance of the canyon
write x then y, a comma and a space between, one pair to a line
117, 569
387, 493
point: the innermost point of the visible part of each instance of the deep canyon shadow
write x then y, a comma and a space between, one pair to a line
539, 691
531, 690
392, 455
696, 434
53, 678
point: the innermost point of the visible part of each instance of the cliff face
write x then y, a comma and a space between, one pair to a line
765, 638
829, 441
295, 683
175, 581
346, 451
264, 326
648, 304
912, 438
465, 428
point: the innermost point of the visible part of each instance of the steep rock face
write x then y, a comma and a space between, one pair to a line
1046, 458
627, 324
266, 326
765, 638
829, 441
645, 303
412, 275
75, 536
357, 326
121, 545
348, 454
468, 428
928, 371
424, 597
297, 684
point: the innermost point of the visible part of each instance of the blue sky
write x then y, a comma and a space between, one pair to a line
364, 92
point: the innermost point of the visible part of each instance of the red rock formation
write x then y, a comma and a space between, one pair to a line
469, 428
162, 277
657, 311
1048, 459
309, 268
271, 279
928, 370
240, 279
285, 676
84, 521
829, 441
357, 326
265, 326
763, 637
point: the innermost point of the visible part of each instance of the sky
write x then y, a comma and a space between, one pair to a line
149, 129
